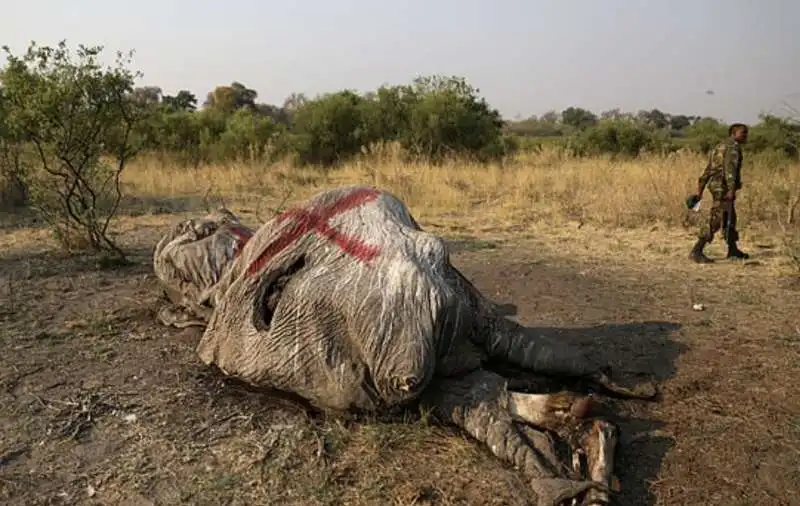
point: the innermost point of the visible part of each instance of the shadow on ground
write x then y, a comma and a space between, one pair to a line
637, 353
45, 264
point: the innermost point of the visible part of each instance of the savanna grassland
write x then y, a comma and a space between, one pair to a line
102, 406
585, 238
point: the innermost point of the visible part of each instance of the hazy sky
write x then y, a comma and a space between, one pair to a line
526, 57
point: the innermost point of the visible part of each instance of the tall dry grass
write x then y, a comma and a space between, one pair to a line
532, 187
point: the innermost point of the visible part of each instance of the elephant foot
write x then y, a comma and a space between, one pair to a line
559, 491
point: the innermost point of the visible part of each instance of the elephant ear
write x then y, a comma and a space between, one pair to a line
342, 301
189, 261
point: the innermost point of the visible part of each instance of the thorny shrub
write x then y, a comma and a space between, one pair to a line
70, 121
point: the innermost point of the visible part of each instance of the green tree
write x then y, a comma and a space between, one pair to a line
183, 101
610, 136
705, 133
387, 111
72, 111
13, 190
679, 122
248, 135
775, 134
653, 118
227, 99
328, 129
449, 118
578, 118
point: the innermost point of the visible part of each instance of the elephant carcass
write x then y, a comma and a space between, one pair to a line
349, 304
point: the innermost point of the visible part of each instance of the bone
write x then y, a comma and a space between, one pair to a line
549, 411
577, 468
600, 446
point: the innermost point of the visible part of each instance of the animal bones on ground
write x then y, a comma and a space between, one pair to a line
349, 304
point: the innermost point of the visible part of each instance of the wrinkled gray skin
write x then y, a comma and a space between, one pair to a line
403, 328
190, 260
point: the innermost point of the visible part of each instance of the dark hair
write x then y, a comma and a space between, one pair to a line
736, 126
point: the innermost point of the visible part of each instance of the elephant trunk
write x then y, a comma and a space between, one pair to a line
513, 343
517, 345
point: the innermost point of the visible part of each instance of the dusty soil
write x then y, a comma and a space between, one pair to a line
102, 406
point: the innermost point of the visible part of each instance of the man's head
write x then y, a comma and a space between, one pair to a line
739, 132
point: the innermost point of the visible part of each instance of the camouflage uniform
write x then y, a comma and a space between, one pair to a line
722, 173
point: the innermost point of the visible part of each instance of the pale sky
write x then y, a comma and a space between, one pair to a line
526, 57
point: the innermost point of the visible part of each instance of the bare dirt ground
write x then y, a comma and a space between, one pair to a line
102, 406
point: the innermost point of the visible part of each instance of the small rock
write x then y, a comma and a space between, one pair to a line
90, 491
130, 418
698, 307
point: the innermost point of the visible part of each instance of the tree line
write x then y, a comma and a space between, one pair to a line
69, 125
617, 132
431, 118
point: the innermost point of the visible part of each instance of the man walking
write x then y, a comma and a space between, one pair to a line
722, 177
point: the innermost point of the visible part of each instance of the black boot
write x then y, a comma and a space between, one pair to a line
697, 254
735, 252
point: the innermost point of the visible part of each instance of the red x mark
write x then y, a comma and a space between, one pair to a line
318, 220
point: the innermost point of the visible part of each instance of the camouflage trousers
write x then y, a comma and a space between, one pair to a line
719, 215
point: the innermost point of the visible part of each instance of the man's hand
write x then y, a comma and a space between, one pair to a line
731, 195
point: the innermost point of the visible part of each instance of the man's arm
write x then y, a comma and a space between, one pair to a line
702, 181
731, 168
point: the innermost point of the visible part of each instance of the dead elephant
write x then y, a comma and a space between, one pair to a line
347, 303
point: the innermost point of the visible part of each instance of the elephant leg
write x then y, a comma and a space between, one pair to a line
565, 412
478, 403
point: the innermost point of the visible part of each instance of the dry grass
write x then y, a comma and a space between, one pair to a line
545, 186
531, 192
